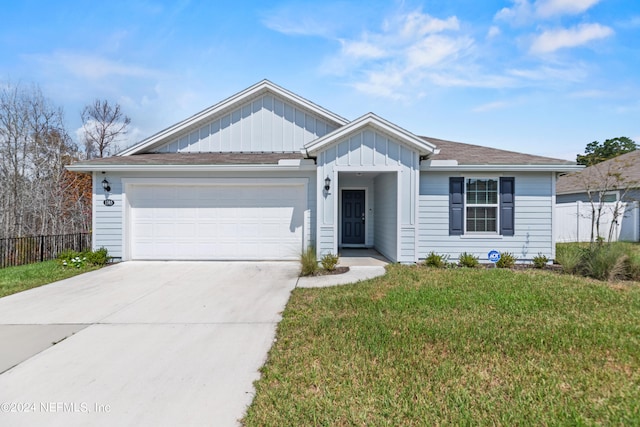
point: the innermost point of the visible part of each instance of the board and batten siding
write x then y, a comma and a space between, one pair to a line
265, 124
533, 216
386, 213
369, 150
109, 221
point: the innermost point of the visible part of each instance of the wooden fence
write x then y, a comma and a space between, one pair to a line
573, 222
26, 250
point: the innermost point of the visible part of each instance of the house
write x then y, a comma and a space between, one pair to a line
266, 173
614, 179
608, 192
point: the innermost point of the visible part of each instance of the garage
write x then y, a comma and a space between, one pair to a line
233, 220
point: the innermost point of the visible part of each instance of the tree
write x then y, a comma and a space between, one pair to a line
104, 125
34, 148
601, 180
596, 152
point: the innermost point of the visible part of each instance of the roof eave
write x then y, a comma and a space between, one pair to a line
502, 168
191, 168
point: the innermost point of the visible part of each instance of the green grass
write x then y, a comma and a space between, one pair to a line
455, 347
21, 278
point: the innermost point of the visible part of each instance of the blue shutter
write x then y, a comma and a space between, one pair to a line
456, 206
507, 227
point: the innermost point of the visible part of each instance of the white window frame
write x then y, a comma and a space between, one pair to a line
482, 205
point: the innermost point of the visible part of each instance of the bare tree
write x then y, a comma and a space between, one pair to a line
104, 126
603, 179
34, 147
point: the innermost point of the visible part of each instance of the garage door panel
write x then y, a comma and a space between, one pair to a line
216, 221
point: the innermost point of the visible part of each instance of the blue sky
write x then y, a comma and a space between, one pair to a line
538, 76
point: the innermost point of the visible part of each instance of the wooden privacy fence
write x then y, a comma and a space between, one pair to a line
26, 250
572, 222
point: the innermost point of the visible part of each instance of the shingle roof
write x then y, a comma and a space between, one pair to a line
627, 165
468, 154
180, 159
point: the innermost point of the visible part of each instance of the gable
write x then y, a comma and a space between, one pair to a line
261, 118
367, 147
266, 124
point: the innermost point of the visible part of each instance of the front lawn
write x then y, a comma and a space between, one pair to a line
423, 346
21, 278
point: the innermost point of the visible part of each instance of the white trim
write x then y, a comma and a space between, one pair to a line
416, 213
501, 168
481, 205
377, 123
553, 215
190, 168
94, 209
251, 92
398, 217
366, 218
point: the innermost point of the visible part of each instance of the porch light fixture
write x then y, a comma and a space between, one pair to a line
105, 185
327, 183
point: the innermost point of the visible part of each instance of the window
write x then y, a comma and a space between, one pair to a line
481, 205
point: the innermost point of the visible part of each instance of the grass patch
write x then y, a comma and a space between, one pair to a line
455, 347
21, 278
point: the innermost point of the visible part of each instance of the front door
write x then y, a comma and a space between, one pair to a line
353, 217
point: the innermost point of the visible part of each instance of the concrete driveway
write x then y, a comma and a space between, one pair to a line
141, 343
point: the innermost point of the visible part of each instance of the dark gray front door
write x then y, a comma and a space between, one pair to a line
353, 217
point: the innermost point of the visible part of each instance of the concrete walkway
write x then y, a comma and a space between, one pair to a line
141, 343
363, 264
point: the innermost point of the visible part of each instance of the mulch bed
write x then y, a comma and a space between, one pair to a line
338, 270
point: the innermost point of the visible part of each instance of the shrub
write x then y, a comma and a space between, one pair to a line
507, 260
329, 261
309, 262
540, 261
569, 257
468, 260
436, 260
605, 262
71, 258
99, 257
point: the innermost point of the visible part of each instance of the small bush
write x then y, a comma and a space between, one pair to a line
468, 260
540, 261
309, 262
71, 258
507, 260
99, 257
329, 261
605, 262
436, 260
569, 257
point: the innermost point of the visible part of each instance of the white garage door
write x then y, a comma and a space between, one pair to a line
208, 222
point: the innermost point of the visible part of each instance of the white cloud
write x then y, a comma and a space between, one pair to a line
552, 40
575, 73
548, 8
92, 66
493, 32
525, 11
362, 49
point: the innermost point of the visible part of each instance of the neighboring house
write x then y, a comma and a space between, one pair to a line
266, 173
613, 179
617, 183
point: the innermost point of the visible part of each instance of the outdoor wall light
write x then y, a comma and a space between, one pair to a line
105, 185
327, 183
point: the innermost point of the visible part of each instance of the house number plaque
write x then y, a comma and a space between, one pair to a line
109, 202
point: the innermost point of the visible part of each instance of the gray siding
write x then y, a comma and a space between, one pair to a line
109, 221
386, 212
107, 231
533, 219
631, 196
266, 124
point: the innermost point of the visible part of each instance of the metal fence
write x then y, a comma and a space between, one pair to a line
26, 250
